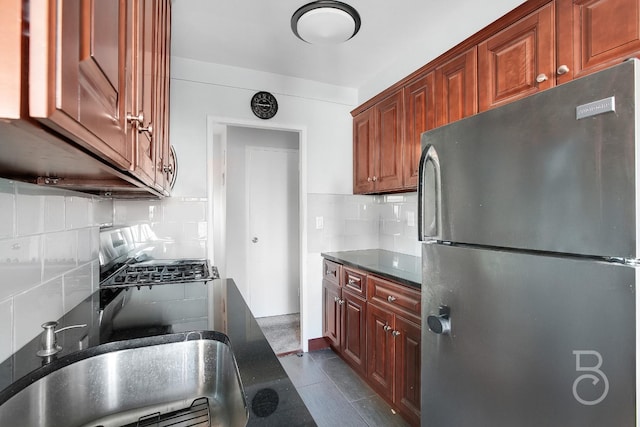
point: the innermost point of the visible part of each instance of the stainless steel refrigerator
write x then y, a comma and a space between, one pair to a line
530, 226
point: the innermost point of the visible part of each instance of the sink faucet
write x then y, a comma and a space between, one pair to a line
48, 342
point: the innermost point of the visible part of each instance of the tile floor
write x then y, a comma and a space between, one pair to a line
335, 394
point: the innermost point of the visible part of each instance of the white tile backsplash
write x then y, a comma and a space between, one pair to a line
7, 210
48, 256
181, 224
29, 211
77, 285
54, 213
20, 265
34, 307
6, 328
77, 212
363, 222
60, 253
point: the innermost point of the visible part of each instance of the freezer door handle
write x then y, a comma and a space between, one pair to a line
429, 196
440, 324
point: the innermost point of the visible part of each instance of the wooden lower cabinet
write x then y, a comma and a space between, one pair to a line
393, 355
380, 349
374, 325
407, 373
331, 322
353, 343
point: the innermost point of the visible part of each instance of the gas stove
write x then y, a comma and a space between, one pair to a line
161, 272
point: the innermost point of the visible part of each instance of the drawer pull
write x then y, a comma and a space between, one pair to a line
352, 281
391, 298
341, 302
386, 328
395, 333
336, 299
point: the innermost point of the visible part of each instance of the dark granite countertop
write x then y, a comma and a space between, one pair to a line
402, 268
134, 313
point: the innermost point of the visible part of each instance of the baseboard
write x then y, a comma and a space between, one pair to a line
318, 344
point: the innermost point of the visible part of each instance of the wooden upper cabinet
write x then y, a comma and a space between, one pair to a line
388, 148
518, 61
457, 88
363, 140
77, 73
377, 140
595, 34
420, 115
11, 51
148, 54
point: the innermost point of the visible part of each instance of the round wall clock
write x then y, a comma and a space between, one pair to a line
264, 105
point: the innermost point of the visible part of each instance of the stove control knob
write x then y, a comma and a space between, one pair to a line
440, 324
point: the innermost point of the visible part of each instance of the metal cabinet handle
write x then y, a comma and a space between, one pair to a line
563, 69
368, 179
138, 122
375, 178
341, 302
542, 78
387, 328
391, 298
168, 169
148, 129
352, 281
135, 120
395, 333
336, 299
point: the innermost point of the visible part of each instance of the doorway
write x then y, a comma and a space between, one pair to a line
262, 221
273, 255
221, 141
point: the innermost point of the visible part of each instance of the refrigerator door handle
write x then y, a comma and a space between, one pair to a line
429, 196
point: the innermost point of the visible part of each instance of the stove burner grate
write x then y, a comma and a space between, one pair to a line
161, 272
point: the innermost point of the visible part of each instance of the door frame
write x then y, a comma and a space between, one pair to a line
216, 199
248, 233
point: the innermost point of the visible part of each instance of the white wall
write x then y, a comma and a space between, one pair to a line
238, 139
200, 90
456, 25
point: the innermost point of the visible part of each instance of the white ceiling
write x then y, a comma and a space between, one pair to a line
256, 34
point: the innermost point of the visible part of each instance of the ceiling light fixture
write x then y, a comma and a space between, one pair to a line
325, 22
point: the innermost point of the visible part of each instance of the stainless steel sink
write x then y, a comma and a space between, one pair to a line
185, 376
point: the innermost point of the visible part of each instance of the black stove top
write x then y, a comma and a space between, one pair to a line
161, 272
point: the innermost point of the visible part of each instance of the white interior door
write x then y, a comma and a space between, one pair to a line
273, 272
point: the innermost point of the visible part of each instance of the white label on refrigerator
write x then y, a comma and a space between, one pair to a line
596, 107
592, 378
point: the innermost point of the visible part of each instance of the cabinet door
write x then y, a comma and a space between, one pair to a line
354, 331
163, 37
331, 295
420, 115
77, 72
511, 62
595, 34
388, 146
456, 88
146, 151
363, 141
380, 350
407, 374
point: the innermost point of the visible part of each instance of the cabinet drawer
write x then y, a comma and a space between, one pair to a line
394, 295
355, 281
331, 271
